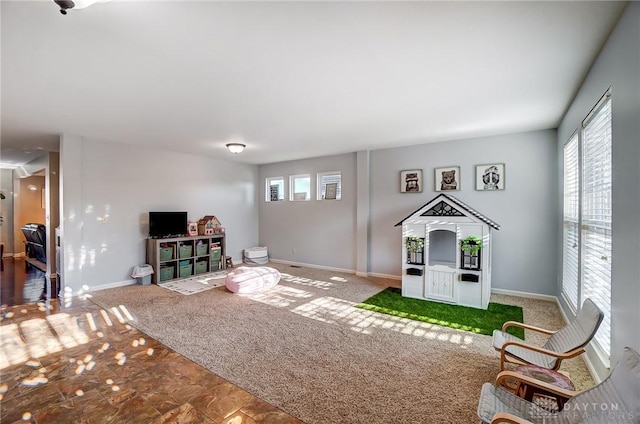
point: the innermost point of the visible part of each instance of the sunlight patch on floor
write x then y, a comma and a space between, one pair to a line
35, 338
338, 311
66, 327
279, 296
325, 285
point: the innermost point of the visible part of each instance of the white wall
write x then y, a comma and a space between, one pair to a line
318, 232
109, 188
618, 66
325, 233
524, 252
6, 210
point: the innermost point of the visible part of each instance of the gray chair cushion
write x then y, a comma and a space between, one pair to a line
496, 399
614, 401
578, 332
524, 355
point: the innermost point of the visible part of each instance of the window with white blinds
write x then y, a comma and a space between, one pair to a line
571, 212
586, 261
596, 215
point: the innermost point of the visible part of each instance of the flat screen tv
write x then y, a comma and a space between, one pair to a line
167, 224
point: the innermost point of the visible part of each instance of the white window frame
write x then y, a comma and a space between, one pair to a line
571, 222
292, 188
594, 238
267, 188
323, 178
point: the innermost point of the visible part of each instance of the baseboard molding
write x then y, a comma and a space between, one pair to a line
114, 285
328, 268
528, 295
387, 276
302, 264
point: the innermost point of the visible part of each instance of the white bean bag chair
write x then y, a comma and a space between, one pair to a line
245, 279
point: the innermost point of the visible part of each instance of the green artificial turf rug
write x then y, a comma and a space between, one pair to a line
391, 302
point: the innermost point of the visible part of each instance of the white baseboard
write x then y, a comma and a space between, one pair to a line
346, 271
528, 295
387, 276
301, 264
114, 285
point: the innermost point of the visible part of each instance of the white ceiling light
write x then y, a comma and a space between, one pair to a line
74, 4
236, 148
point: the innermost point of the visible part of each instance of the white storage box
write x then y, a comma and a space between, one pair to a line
256, 255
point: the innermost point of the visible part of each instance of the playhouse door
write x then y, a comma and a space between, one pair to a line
441, 272
440, 282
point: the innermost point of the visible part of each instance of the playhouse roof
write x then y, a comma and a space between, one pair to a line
436, 201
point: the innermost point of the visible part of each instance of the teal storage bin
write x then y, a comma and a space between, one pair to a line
186, 270
201, 267
201, 249
166, 273
186, 251
166, 253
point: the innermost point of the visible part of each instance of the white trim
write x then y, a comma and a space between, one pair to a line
113, 285
390, 277
546, 297
346, 271
326, 268
19, 255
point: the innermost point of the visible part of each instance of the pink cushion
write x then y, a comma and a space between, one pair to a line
246, 279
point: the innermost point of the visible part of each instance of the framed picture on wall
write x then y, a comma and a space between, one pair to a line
490, 177
447, 178
331, 190
411, 181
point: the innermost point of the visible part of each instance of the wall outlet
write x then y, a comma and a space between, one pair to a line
293, 250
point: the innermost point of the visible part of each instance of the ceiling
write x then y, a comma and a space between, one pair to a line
292, 80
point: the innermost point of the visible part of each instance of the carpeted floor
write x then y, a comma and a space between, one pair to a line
306, 349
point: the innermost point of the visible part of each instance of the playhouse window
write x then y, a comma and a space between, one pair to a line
415, 250
469, 259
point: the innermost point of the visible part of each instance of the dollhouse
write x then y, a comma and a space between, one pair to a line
446, 253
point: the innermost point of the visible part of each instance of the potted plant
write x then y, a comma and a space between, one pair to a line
471, 244
414, 244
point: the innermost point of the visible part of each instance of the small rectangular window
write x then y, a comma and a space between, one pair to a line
274, 191
300, 187
324, 178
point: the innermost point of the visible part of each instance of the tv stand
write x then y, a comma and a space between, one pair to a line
173, 258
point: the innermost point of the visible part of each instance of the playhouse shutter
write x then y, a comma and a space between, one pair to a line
570, 241
596, 214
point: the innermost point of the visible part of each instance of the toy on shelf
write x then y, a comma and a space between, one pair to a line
209, 225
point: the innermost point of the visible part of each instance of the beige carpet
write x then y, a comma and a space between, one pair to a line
304, 348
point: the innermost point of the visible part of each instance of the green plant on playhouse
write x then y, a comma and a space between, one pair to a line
414, 244
471, 244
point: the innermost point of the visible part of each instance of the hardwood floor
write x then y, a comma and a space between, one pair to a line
20, 283
84, 364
